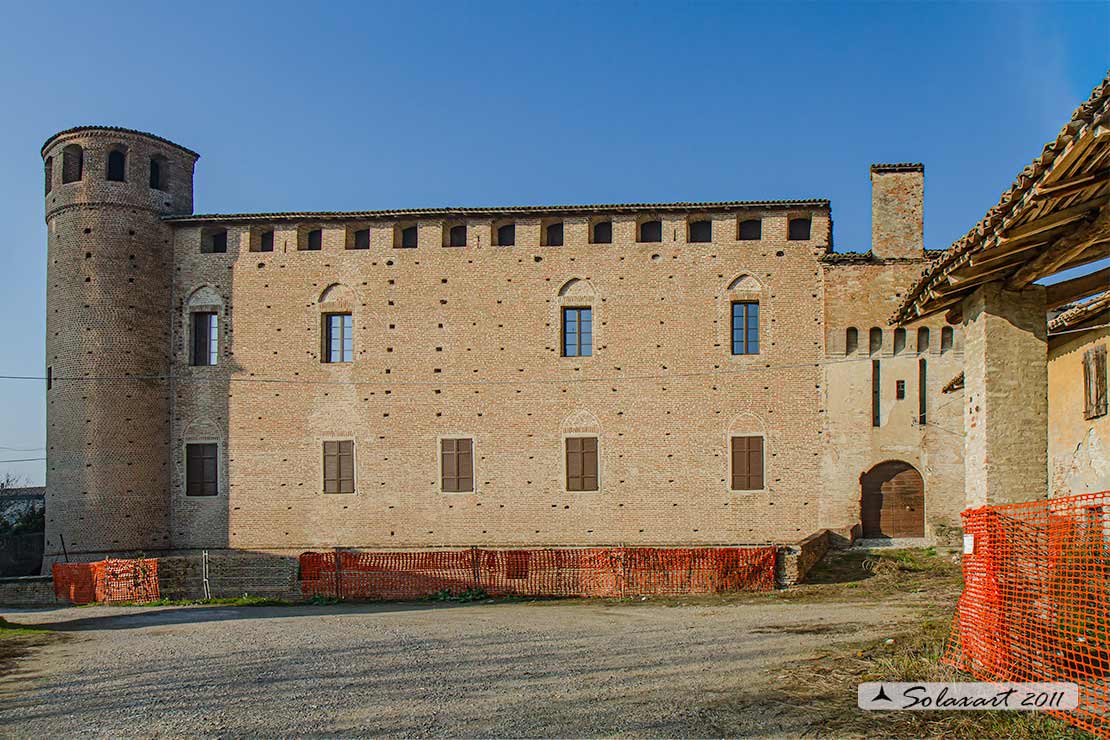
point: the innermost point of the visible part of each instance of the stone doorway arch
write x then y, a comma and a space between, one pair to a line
892, 501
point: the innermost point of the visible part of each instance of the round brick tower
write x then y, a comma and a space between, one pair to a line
109, 261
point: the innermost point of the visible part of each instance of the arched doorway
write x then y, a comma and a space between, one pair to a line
893, 501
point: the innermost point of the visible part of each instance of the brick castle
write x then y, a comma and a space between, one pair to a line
642, 374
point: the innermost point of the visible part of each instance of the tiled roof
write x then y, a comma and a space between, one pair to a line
1012, 206
494, 211
117, 129
1078, 314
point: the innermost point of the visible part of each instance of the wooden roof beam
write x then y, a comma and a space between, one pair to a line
1051, 221
1063, 251
1059, 294
1063, 187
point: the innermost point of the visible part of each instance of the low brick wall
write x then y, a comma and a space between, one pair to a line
27, 591
231, 573
796, 560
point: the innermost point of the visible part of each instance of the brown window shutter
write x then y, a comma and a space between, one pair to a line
1100, 381
582, 463
739, 462
465, 460
1089, 384
450, 465
747, 463
589, 463
193, 471
202, 473
574, 463
755, 463
347, 467
331, 467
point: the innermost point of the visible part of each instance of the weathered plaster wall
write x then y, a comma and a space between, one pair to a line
1078, 448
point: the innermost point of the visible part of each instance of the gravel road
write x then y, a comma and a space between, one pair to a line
500, 669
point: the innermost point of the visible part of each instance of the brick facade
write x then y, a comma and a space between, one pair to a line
454, 342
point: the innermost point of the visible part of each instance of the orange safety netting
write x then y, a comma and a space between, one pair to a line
1036, 601
610, 571
107, 581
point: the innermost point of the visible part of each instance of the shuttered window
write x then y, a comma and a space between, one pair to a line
201, 469
457, 465
745, 328
339, 467
1094, 382
338, 337
581, 463
206, 338
578, 332
747, 463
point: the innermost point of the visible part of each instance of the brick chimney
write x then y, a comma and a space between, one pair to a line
897, 210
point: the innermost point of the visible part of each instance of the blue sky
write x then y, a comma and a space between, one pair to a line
347, 106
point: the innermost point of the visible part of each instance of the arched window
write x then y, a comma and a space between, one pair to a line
48, 174
923, 339
456, 236
651, 231
701, 231
405, 236
73, 163
947, 337
751, 230
117, 166
553, 234
899, 341
875, 343
798, 229
602, 233
506, 235
159, 172
851, 340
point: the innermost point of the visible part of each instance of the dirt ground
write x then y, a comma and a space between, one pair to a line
744, 665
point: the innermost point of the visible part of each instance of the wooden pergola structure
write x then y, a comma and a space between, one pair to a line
1055, 216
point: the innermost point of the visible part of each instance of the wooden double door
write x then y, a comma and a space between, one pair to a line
893, 501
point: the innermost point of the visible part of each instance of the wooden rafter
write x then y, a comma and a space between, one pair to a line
1063, 251
1059, 294
1072, 184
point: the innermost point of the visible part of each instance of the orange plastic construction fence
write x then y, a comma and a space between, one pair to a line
1036, 601
107, 581
610, 571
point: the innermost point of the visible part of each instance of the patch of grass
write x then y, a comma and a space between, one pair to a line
470, 594
17, 640
10, 629
244, 600
828, 685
